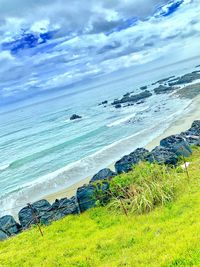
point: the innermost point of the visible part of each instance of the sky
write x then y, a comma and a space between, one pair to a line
51, 44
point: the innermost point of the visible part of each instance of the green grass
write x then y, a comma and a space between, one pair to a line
168, 235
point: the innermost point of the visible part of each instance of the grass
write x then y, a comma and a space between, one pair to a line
167, 236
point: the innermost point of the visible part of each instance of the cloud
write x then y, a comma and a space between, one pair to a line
45, 46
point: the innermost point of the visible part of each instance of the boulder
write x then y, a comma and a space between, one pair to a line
61, 208
118, 106
3, 235
75, 117
195, 128
40, 208
87, 195
162, 155
126, 163
105, 174
177, 144
9, 226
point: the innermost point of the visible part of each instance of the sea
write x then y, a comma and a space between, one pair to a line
42, 151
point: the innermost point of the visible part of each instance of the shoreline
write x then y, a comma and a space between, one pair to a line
181, 123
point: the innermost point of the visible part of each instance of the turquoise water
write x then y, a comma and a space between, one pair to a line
42, 151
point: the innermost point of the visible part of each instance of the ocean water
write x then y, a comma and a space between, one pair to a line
42, 151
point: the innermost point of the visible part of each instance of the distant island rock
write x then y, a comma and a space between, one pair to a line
75, 117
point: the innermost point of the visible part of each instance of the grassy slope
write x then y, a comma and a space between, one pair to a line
168, 236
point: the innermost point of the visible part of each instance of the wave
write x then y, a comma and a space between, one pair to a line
121, 121
75, 172
40, 154
4, 167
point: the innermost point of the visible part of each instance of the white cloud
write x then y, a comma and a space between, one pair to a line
83, 48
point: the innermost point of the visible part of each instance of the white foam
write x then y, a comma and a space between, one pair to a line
121, 121
4, 167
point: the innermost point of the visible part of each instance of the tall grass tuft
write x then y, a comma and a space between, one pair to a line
146, 186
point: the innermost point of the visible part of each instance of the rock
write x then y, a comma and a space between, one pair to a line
9, 226
187, 78
118, 106
140, 102
177, 144
103, 103
3, 235
195, 128
75, 117
40, 207
162, 89
126, 163
59, 209
132, 98
193, 134
143, 87
105, 174
86, 195
162, 155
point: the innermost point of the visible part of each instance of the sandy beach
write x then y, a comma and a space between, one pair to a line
182, 123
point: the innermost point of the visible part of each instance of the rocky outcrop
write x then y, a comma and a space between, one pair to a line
8, 227
187, 78
162, 155
132, 98
26, 216
126, 163
162, 89
192, 135
177, 144
75, 117
104, 174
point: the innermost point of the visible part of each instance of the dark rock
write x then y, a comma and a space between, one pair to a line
86, 195
193, 134
162, 155
75, 117
132, 98
26, 216
177, 144
140, 102
105, 174
163, 89
9, 226
127, 94
118, 106
195, 128
126, 163
60, 208
3, 235
143, 87
103, 103
187, 78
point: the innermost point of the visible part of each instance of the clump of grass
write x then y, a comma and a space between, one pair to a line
146, 186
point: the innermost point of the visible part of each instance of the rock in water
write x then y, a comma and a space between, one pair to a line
105, 174
9, 226
126, 163
26, 216
162, 155
177, 144
75, 117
